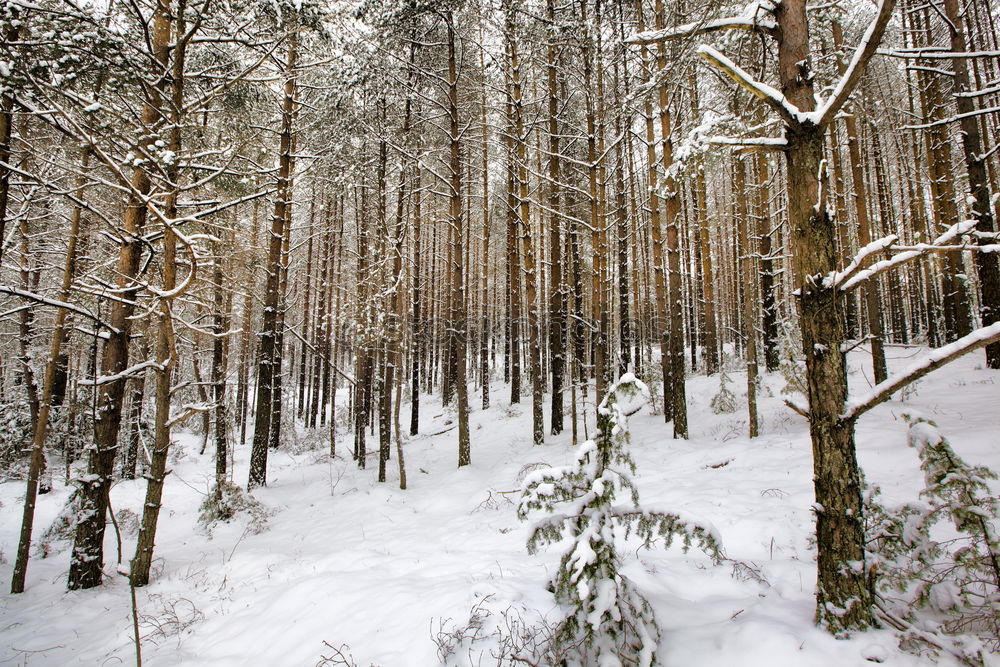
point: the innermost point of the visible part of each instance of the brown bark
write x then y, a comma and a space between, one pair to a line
87, 557
166, 350
268, 351
52, 368
458, 318
674, 367
979, 188
557, 287
524, 225
749, 300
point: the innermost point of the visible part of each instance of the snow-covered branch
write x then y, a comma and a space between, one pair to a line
862, 54
189, 411
772, 96
878, 245
847, 282
936, 359
953, 119
936, 53
752, 23
125, 374
748, 143
46, 301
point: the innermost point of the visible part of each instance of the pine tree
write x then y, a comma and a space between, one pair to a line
611, 622
933, 578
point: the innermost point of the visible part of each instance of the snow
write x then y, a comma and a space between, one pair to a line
346, 560
769, 94
850, 279
859, 402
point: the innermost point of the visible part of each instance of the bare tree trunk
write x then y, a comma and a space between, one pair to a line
246, 340
52, 364
416, 322
659, 256
220, 355
269, 328
979, 187
87, 558
166, 349
843, 597
769, 305
524, 223
459, 321
749, 301
6, 132
557, 288
675, 347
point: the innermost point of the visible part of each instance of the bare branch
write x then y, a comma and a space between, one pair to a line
46, 301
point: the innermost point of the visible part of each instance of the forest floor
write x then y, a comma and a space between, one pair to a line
391, 577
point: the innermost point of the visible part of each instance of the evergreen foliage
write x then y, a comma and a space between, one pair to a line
724, 402
943, 580
611, 622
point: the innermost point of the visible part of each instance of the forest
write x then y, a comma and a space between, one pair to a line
418, 295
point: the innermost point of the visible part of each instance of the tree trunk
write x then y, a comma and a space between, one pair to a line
458, 317
266, 375
52, 368
87, 557
979, 188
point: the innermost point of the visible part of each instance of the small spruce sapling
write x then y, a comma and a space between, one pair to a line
948, 581
725, 401
611, 624
791, 364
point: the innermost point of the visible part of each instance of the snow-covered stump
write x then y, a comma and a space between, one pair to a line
611, 623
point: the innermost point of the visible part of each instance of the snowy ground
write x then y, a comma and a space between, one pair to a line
346, 560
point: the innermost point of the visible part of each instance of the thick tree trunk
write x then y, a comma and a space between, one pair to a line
843, 597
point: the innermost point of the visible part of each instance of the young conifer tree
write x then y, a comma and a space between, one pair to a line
611, 622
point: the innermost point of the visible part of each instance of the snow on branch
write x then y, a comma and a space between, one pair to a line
936, 359
744, 22
772, 96
953, 119
125, 374
189, 411
939, 53
846, 281
46, 301
862, 54
748, 143
879, 245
